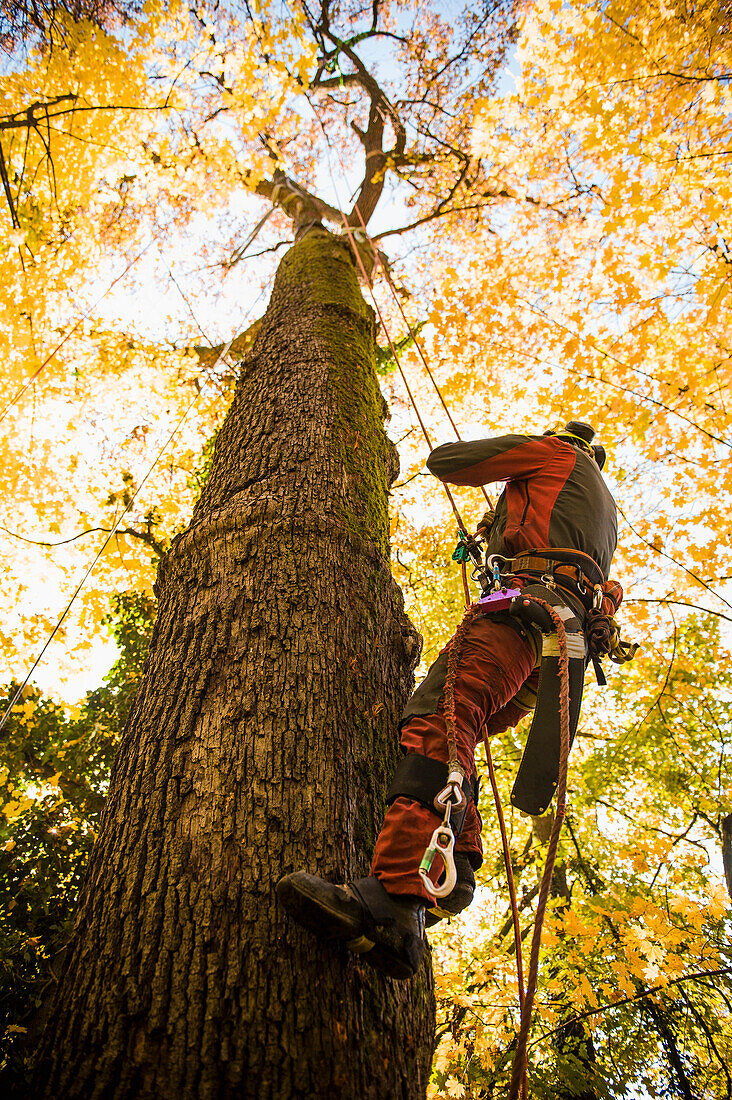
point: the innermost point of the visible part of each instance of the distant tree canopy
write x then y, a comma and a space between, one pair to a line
54, 773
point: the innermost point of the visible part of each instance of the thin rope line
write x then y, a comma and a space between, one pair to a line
453, 661
103, 547
26, 385
410, 330
367, 280
515, 919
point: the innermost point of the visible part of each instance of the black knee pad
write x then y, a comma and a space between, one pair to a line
421, 778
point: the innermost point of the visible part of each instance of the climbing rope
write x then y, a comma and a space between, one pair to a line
515, 920
412, 332
413, 335
518, 1073
425, 433
440, 841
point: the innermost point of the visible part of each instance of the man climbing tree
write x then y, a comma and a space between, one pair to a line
555, 523
262, 738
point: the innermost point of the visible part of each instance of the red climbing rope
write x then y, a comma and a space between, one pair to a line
518, 1073
453, 660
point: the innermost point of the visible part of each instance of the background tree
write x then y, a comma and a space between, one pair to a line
54, 769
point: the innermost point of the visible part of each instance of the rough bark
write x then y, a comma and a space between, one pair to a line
261, 741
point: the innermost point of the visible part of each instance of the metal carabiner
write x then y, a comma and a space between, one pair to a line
442, 843
492, 563
452, 796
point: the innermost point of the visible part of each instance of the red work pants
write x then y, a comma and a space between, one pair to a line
494, 664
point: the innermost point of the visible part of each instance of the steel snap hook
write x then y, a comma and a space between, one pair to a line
442, 843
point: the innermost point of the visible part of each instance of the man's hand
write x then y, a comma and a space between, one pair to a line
486, 523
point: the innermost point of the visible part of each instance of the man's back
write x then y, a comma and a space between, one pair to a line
555, 494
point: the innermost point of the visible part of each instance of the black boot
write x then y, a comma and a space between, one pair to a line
386, 929
459, 897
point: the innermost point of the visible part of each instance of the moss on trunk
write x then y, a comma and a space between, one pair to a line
261, 740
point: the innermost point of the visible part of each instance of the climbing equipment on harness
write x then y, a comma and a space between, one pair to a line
442, 843
444, 790
573, 584
467, 549
425, 780
459, 897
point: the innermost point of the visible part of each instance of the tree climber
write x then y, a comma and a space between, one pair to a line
553, 534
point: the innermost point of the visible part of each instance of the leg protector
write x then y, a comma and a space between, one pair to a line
421, 778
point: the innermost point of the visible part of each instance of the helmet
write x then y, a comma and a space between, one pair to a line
583, 434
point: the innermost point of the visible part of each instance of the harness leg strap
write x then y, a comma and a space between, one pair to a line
421, 779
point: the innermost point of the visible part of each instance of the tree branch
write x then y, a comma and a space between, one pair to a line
145, 536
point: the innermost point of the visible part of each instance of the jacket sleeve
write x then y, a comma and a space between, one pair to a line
501, 459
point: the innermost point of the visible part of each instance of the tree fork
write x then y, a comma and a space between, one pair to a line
261, 741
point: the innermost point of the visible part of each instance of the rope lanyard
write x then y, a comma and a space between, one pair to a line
518, 1073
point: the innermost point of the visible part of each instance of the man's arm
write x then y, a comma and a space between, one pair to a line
501, 459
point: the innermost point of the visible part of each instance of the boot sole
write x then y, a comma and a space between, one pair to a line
305, 903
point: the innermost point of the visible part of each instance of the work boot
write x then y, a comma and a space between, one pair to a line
386, 929
459, 897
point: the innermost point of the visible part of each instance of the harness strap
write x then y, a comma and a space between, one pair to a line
421, 778
556, 558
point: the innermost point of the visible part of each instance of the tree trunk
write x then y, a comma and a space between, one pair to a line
261, 741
